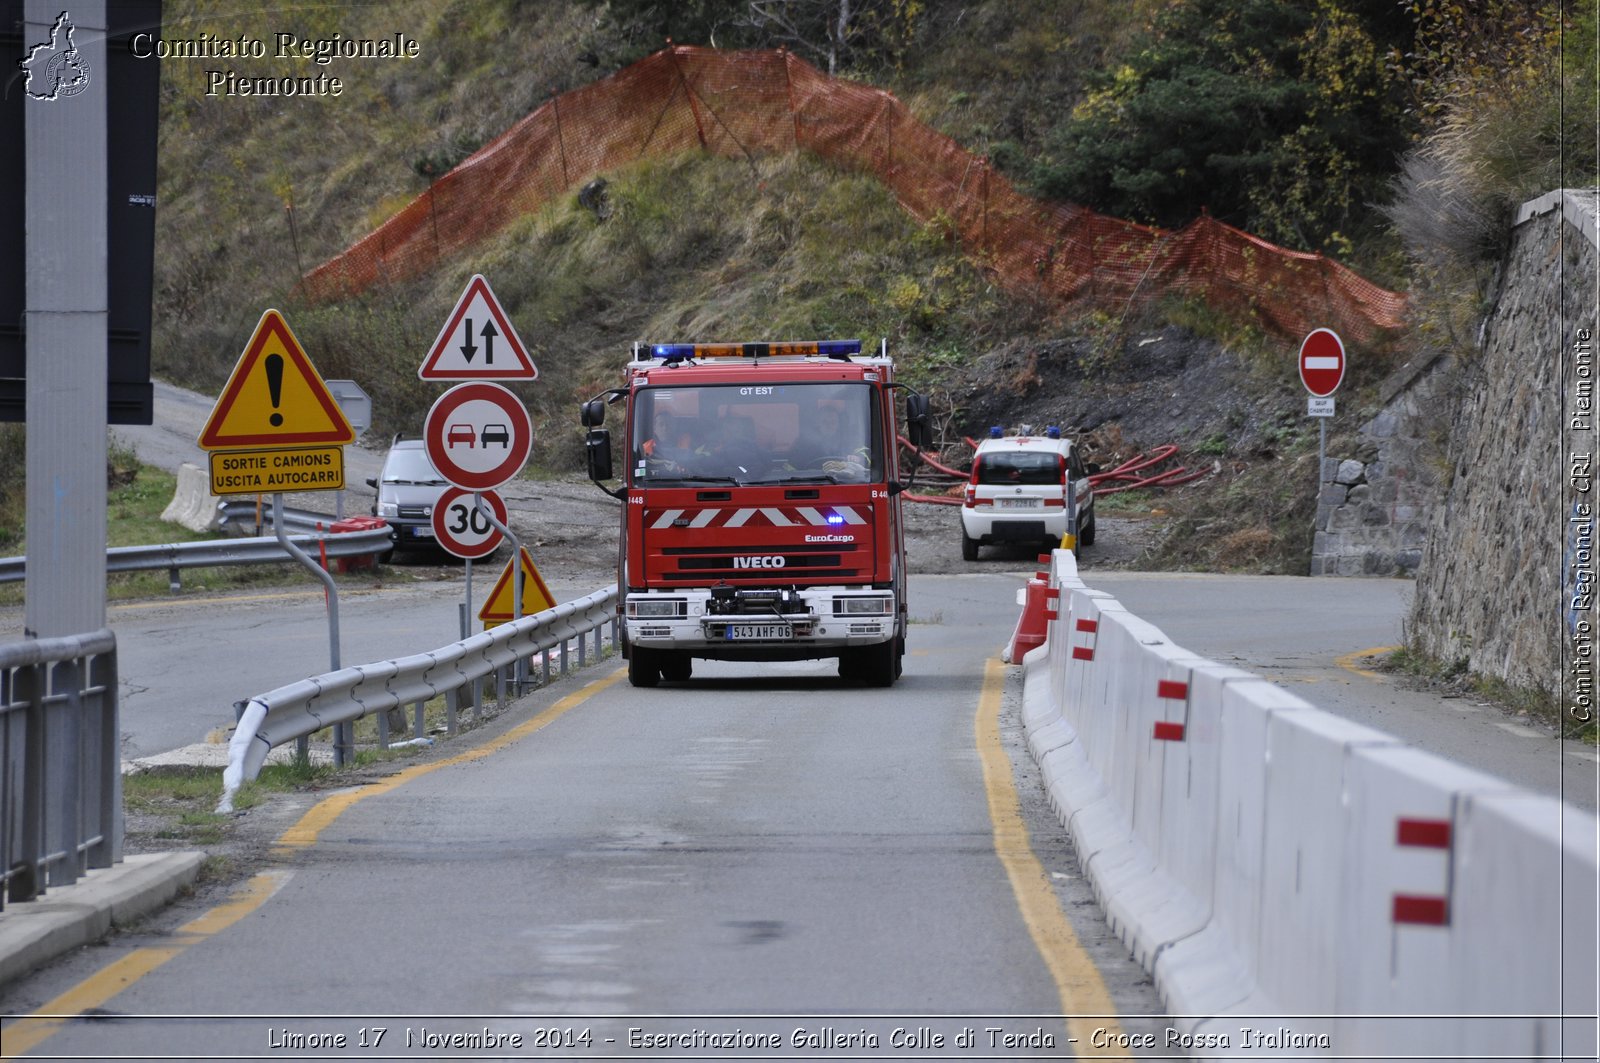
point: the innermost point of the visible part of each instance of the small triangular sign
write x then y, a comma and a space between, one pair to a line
478, 341
536, 597
274, 397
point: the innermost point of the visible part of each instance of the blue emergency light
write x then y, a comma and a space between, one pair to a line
823, 348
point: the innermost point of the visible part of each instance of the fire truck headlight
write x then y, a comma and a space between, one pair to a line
856, 606
657, 607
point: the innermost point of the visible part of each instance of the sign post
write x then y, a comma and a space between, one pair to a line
478, 434
276, 427
1322, 365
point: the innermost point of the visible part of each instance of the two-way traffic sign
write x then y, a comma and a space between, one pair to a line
477, 341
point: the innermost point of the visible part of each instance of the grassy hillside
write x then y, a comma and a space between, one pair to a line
253, 191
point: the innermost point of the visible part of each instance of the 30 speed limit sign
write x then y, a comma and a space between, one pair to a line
463, 528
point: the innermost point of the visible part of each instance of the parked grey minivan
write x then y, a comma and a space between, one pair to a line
408, 488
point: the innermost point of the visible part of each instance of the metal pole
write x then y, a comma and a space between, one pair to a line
516, 579
66, 314
466, 607
1322, 453
343, 733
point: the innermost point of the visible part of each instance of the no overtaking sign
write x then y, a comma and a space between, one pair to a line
478, 435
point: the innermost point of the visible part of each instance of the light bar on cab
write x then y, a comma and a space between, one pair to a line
825, 348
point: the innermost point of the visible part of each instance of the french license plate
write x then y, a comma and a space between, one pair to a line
1019, 503
420, 532
760, 631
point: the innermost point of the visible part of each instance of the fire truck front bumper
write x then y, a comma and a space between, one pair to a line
750, 624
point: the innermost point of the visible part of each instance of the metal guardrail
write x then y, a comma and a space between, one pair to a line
60, 768
243, 513
253, 551
298, 710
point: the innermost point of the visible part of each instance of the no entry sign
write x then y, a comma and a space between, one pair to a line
478, 435
1322, 362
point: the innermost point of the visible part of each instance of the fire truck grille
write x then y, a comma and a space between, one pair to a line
808, 563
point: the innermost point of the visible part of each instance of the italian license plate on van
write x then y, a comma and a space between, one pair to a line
760, 631
1020, 503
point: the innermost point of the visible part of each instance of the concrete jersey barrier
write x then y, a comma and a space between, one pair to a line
1299, 885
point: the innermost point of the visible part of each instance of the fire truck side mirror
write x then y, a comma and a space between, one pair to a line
593, 413
917, 426
597, 452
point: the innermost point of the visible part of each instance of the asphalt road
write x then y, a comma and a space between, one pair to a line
768, 845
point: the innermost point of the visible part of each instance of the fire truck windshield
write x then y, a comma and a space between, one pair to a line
742, 434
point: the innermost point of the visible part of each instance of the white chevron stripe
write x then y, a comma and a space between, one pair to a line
777, 516
704, 517
850, 516
739, 518
666, 518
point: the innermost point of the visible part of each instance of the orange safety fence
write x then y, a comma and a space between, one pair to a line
757, 103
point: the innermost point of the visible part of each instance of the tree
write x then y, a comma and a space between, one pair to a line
1283, 117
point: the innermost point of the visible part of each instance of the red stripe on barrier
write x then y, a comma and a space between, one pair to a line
1044, 559
1089, 625
1425, 833
1168, 732
1082, 653
1052, 593
1422, 911
1171, 688
1051, 614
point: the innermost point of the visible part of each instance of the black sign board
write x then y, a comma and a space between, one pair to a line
133, 89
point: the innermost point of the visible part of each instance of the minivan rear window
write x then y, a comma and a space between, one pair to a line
1019, 467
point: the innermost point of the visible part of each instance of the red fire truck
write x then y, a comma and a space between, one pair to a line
761, 510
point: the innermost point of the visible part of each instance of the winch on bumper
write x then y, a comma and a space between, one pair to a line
731, 622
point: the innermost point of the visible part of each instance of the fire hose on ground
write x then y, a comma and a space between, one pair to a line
1131, 475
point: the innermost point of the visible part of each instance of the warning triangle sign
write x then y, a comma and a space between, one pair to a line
275, 397
478, 341
536, 597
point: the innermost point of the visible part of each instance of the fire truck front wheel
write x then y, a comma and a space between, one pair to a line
644, 667
873, 666
676, 667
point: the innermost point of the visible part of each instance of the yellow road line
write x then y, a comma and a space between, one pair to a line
1078, 983
223, 599
311, 825
1348, 661
98, 988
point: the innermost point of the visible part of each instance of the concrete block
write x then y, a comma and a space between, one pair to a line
193, 505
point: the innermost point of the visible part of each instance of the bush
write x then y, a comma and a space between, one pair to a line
1279, 117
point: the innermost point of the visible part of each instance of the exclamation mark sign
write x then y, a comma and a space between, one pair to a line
274, 367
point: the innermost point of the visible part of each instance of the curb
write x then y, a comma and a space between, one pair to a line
35, 932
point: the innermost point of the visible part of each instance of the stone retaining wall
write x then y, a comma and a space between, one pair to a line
1373, 512
1491, 573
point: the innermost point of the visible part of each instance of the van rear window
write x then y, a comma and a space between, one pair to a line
1019, 467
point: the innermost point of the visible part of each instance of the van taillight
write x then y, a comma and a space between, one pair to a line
972, 495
